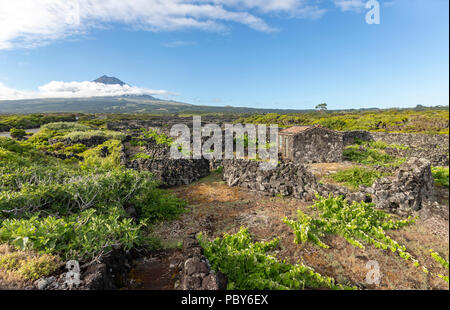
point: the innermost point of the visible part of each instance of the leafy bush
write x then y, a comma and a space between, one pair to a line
160, 138
92, 190
441, 176
442, 261
370, 156
77, 136
32, 120
93, 158
76, 148
140, 155
381, 145
248, 265
82, 236
356, 176
356, 222
429, 120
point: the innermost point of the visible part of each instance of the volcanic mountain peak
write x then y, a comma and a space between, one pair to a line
109, 80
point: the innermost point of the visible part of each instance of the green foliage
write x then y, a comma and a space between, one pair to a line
65, 127
17, 133
441, 176
356, 222
93, 158
81, 236
249, 266
160, 138
356, 176
140, 155
444, 263
28, 266
78, 136
76, 148
75, 193
381, 145
368, 155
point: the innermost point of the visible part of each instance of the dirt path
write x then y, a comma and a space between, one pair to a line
215, 208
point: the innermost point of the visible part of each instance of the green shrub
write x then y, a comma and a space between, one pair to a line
140, 155
82, 236
66, 127
17, 133
370, 156
356, 176
249, 266
442, 261
357, 222
93, 190
76, 148
93, 158
27, 265
77, 136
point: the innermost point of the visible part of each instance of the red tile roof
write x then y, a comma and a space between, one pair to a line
295, 130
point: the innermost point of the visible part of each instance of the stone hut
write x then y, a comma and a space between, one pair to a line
311, 144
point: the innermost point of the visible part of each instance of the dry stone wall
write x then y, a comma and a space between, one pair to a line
173, 172
406, 191
286, 179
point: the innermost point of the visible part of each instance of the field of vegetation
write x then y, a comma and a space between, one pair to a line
61, 201
422, 120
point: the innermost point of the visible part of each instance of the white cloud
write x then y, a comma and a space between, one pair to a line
30, 23
350, 5
58, 89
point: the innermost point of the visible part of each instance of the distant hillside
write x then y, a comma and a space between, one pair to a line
120, 104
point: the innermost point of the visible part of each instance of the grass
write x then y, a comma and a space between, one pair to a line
441, 176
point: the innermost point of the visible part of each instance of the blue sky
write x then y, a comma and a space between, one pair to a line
292, 54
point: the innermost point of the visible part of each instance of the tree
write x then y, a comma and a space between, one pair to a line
321, 107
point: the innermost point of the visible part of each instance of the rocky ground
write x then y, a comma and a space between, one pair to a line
216, 208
